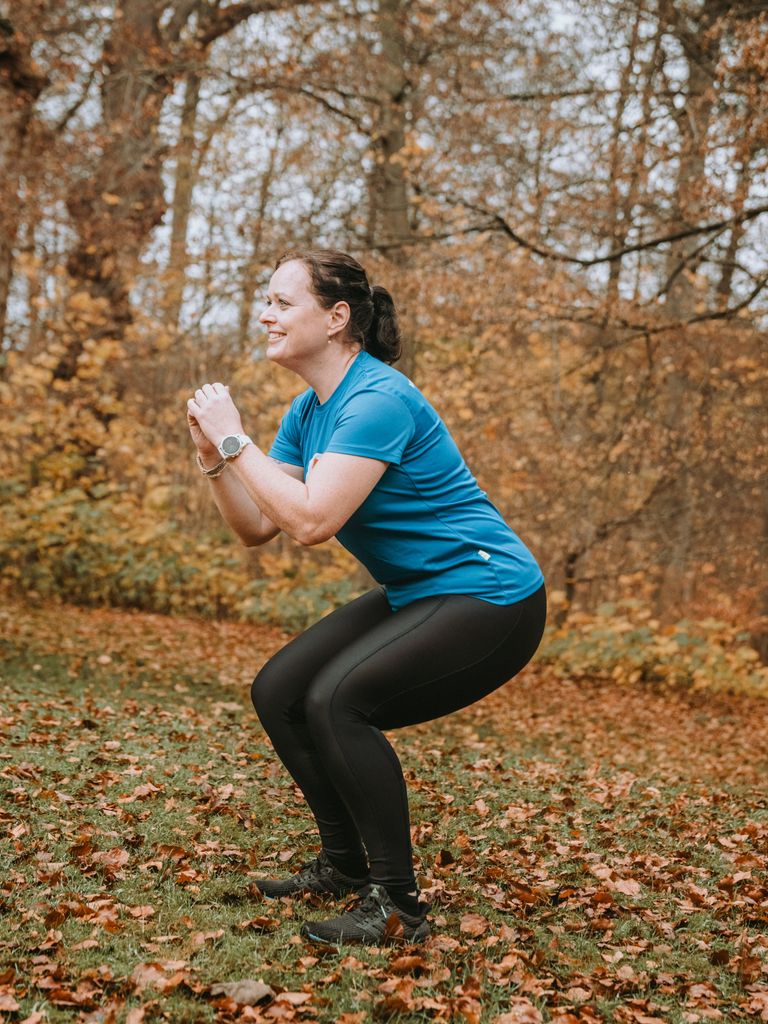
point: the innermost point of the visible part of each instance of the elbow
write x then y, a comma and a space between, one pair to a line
314, 533
256, 540
252, 542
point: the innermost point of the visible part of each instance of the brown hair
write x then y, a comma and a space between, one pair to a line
338, 277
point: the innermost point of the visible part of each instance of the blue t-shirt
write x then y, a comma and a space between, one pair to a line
426, 527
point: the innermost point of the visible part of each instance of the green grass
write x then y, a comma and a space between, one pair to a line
604, 882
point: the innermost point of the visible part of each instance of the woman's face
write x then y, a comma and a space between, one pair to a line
297, 326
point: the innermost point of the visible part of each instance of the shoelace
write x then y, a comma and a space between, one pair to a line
372, 904
310, 872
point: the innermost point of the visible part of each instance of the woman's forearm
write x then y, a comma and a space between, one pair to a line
282, 499
237, 508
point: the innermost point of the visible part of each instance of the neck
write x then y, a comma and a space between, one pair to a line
327, 370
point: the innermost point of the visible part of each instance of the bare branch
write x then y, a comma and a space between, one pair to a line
563, 94
729, 311
219, 22
71, 110
499, 223
331, 107
181, 15
688, 259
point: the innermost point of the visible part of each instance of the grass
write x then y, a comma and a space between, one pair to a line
594, 852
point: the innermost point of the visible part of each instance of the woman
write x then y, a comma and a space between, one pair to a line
361, 455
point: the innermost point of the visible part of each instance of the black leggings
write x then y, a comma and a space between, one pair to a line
325, 697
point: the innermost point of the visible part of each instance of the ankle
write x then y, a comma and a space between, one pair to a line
352, 865
408, 902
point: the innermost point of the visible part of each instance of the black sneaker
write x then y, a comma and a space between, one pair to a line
319, 877
373, 920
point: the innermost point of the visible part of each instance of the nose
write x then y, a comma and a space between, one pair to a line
267, 316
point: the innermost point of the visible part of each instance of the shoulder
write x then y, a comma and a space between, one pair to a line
375, 404
382, 386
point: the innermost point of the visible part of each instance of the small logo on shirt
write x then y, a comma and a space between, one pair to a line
484, 554
312, 463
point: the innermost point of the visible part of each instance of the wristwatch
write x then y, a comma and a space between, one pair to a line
232, 445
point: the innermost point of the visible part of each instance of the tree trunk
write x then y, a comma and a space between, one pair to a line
759, 636
682, 294
621, 206
21, 82
389, 224
184, 186
693, 122
725, 282
117, 206
254, 263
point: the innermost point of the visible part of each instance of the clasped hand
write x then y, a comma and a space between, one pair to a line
214, 412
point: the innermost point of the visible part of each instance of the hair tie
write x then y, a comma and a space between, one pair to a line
370, 292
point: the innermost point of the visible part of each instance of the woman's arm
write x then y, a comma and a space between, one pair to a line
237, 508
310, 511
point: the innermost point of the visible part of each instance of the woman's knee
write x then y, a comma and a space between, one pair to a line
317, 706
330, 702
265, 691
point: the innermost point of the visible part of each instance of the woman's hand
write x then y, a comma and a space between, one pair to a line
212, 415
203, 445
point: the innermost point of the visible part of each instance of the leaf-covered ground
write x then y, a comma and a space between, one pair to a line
594, 852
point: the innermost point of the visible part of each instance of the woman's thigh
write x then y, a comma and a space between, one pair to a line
283, 681
432, 657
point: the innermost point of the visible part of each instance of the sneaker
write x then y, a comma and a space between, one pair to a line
319, 877
373, 920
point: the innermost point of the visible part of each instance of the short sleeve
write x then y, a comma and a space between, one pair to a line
286, 446
375, 425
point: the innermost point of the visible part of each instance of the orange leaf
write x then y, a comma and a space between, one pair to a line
473, 924
7, 1002
520, 1011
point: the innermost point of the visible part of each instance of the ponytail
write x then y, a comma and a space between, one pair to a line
382, 339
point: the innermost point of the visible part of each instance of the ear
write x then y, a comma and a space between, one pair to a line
338, 318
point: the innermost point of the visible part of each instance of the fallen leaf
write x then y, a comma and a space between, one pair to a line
409, 965
245, 993
200, 938
626, 886
520, 1011
7, 1002
577, 994
393, 928
260, 924
155, 975
294, 998
474, 924
142, 912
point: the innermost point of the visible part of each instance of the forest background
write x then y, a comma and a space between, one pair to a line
569, 202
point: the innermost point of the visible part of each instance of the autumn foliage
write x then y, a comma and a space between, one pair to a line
568, 203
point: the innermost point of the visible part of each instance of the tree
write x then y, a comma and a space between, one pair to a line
21, 82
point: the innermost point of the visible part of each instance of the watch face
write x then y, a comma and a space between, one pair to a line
230, 445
